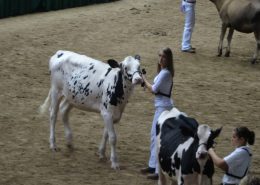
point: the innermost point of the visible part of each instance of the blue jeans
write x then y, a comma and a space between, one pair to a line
189, 10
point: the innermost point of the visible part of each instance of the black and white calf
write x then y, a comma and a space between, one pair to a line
182, 146
88, 84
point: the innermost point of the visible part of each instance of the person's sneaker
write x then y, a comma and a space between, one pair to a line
153, 176
147, 170
190, 50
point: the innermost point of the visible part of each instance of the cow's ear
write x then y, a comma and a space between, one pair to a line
216, 132
113, 63
138, 57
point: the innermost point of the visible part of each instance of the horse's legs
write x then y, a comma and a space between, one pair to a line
65, 107
229, 38
222, 35
257, 38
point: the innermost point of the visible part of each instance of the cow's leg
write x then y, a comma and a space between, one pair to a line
54, 107
162, 179
205, 180
257, 38
222, 35
112, 139
229, 38
102, 147
65, 108
191, 179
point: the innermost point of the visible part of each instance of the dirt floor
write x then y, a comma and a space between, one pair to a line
217, 91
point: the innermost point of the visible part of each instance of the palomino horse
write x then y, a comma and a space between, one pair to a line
243, 16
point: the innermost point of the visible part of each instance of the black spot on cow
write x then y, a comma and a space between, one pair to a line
100, 83
108, 70
118, 93
91, 67
85, 77
59, 55
75, 82
105, 105
86, 89
94, 71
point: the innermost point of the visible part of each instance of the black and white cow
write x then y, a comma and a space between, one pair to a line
88, 84
182, 146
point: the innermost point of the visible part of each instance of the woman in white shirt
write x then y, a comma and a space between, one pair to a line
161, 88
237, 163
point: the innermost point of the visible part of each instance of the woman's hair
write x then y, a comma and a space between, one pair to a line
245, 133
169, 61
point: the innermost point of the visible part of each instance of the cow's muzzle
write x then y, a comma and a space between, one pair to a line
137, 78
202, 155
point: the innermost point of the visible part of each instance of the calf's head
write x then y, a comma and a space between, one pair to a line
131, 69
206, 138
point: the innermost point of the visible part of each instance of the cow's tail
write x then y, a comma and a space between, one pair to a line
43, 108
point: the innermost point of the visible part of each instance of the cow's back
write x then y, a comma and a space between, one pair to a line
83, 81
173, 133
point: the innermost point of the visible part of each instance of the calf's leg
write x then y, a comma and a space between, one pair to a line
112, 139
65, 108
102, 147
54, 107
162, 179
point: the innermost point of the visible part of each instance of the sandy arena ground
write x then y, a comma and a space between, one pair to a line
215, 90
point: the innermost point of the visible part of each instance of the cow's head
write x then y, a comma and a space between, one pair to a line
130, 68
206, 138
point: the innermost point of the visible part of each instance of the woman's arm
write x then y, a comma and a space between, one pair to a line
219, 162
147, 84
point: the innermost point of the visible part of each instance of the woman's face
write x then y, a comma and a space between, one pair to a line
236, 141
162, 59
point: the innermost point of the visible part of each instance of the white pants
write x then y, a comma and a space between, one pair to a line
189, 10
153, 153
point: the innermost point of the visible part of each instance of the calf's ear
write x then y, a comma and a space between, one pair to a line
216, 132
113, 63
138, 57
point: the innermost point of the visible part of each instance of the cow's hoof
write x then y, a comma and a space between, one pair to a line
55, 149
70, 147
103, 159
115, 166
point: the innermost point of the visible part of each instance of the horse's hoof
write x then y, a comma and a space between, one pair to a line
227, 54
219, 53
253, 61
